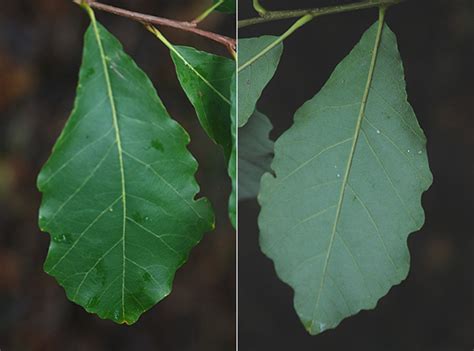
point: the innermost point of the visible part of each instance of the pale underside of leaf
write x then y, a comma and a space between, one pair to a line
255, 154
118, 190
350, 173
255, 72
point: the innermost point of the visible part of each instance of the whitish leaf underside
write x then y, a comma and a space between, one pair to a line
350, 173
255, 71
255, 154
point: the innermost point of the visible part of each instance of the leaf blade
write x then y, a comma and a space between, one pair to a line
106, 218
228, 6
327, 222
255, 154
255, 75
206, 80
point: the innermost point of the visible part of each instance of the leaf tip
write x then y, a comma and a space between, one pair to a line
127, 320
314, 327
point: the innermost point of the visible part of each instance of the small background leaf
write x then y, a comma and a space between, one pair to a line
206, 80
255, 154
335, 218
118, 190
229, 6
254, 77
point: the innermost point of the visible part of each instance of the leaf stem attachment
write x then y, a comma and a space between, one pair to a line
298, 24
191, 27
259, 8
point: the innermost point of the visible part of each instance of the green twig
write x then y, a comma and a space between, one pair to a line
268, 16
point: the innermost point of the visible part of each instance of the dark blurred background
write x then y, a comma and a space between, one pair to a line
433, 310
40, 54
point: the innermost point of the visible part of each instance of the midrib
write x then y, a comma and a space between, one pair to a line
119, 147
200, 76
351, 154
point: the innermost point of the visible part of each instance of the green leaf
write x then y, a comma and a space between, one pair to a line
350, 173
232, 168
206, 80
228, 6
118, 190
255, 154
255, 71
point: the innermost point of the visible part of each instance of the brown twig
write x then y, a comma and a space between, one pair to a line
148, 19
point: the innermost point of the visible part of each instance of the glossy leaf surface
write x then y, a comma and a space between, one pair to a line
350, 173
118, 189
255, 72
228, 6
206, 79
